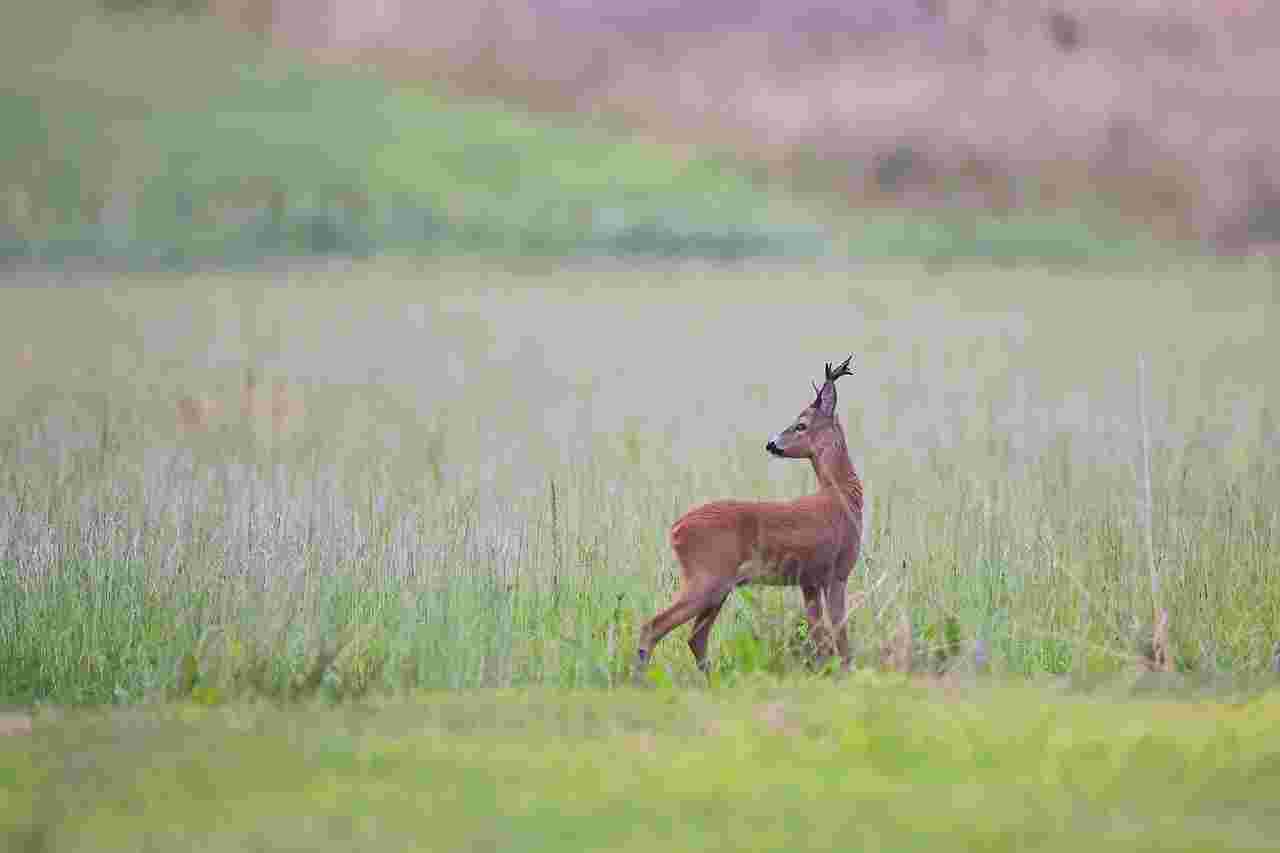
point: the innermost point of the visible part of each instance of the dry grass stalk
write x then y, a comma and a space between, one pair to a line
249, 404
1159, 659
286, 409
1147, 500
857, 600
897, 652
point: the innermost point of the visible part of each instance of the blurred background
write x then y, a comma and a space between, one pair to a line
228, 130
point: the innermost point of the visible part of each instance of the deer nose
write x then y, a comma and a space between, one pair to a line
772, 447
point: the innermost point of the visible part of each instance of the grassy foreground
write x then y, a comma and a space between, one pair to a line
864, 764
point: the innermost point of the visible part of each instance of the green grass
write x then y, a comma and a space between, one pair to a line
481, 466
865, 763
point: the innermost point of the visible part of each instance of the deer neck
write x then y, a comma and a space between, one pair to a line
836, 474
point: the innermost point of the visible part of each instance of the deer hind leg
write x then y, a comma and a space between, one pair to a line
690, 602
813, 613
701, 631
837, 609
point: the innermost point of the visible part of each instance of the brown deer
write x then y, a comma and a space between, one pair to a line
811, 542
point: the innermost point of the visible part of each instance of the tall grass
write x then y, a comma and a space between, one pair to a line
477, 487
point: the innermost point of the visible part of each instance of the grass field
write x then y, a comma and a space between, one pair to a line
866, 764
455, 476
290, 521
343, 554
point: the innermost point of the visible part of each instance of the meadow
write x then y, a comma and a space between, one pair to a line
366, 476
343, 418
320, 555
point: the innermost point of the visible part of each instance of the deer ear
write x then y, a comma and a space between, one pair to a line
826, 402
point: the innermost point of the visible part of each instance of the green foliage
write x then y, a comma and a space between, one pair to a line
766, 633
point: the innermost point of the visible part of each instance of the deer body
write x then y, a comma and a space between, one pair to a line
811, 542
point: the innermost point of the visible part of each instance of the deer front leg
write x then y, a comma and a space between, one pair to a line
813, 613
838, 610
701, 632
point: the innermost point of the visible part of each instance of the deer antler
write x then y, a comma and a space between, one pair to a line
842, 370
832, 375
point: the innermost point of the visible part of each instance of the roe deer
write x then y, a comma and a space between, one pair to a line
811, 542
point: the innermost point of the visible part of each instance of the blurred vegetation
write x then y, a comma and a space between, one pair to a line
198, 147
1160, 114
152, 139
868, 763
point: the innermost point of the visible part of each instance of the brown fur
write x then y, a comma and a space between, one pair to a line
812, 542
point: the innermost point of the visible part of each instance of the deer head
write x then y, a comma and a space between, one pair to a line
802, 440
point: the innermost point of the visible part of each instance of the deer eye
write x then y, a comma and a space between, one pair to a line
801, 427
